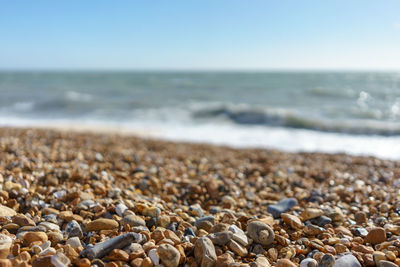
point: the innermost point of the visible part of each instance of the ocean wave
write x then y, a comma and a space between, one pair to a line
77, 96
247, 115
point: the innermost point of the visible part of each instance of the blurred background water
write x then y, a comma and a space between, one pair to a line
353, 112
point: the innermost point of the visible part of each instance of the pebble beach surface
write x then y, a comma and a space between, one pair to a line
84, 199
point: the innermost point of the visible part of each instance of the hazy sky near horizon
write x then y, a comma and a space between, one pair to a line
206, 34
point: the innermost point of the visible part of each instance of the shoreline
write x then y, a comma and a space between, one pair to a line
284, 140
63, 193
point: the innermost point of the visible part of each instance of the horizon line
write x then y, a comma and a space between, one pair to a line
196, 70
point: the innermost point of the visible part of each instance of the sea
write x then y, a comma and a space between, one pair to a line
334, 112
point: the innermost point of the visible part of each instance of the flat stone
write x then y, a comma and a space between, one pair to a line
237, 248
133, 220
6, 211
347, 261
363, 249
221, 238
204, 252
311, 213
50, 226
74, 242
376, 236
169, 255
321, 221
293, 221
23, 220
282, 206
101, 224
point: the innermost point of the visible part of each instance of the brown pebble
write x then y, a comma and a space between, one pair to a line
285, 263
31, 237
376, 236
5, 263
291, 220
146, 262
169, 255
118, 255
85, 262
136, 262
224, 260
101, 224
22, 220
42, 262
360, 217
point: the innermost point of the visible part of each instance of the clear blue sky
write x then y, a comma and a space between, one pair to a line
202, 34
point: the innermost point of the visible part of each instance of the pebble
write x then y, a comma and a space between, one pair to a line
50, 226
384, 263
360, 217
169, 255
103, 248
285, 263
311, 213
205, 222
133, 220
6, 211
260, 233
120, 209
5, 244
308, 262
378, 256
347, 261
221, 238
224, 260
321, 221
30, 237
74, 242
189, 205
291, 220
22, 220
118, 255
152, 253
237, 248
327, 261
282, 206
376, 236
101, 224
262, 261
74, 229
60, 260
204, 252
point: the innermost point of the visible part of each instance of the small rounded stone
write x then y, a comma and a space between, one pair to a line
169, 255
260, 233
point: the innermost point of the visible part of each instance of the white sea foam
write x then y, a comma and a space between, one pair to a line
239, 136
